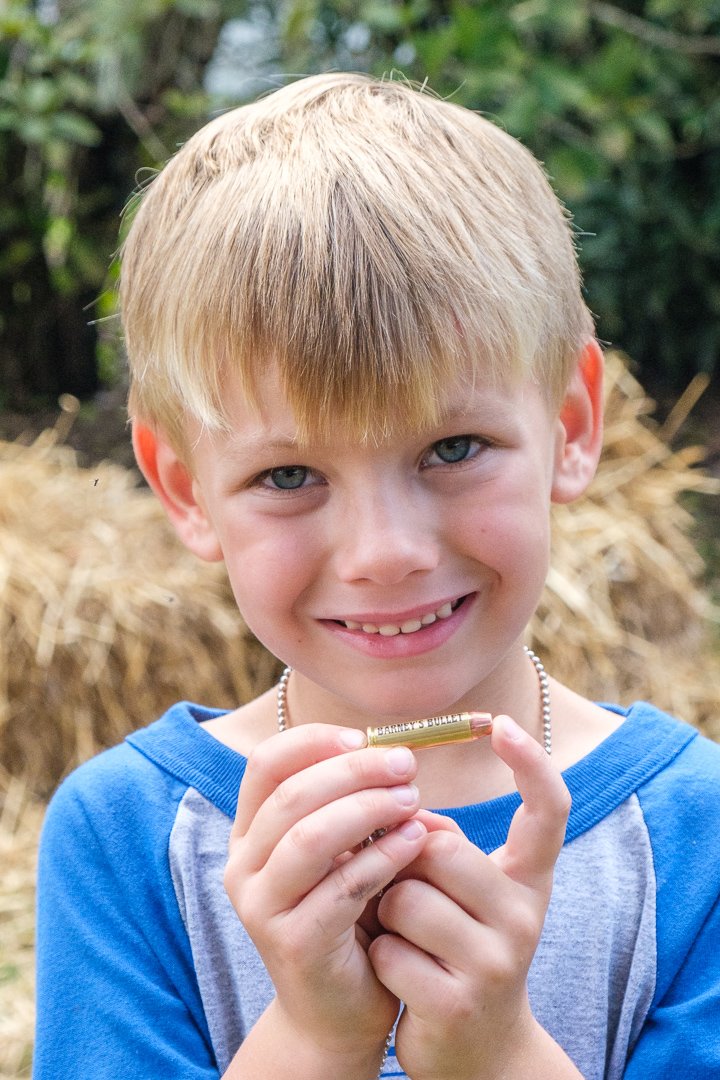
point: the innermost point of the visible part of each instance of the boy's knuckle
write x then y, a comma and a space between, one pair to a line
522, 926
445, 845
376, 801
288, 797
355, 886
518, 935
357, 766
406, 896
564, 802
304, 835
500, 967
238, 894
260, 757
459, 1007
232, 874
292, 945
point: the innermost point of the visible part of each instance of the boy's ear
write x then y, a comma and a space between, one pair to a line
173, 483
580, 427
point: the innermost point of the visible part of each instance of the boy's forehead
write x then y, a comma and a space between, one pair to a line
266, 420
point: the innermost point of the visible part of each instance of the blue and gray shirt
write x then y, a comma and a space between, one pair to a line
145, 971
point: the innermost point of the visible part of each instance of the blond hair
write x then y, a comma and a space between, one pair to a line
369, 239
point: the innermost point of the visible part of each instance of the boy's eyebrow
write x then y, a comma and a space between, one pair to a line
260, 441
270, 442
483, 409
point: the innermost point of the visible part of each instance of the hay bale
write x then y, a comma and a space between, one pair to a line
19, 827
105, 619
624, 614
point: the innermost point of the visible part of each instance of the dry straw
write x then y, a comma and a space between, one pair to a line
105, 619
19, 827
624, 615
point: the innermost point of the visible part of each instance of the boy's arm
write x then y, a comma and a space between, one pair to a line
275, 1049
116, 990
681, 1036
463, 928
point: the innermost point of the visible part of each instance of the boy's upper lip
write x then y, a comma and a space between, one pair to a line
395, 617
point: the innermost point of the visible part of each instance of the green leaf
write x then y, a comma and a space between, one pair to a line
8, 119
34, 129
654, 129
572, 169
15, 254
57, 240
388, 18
76, 128
40, 95
616, 140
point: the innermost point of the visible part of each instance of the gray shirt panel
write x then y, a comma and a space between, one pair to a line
591, 982
234, 984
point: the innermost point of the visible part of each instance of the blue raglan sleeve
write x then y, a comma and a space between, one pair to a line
116, 989
681, 1035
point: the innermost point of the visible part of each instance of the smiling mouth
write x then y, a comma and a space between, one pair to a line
409, 626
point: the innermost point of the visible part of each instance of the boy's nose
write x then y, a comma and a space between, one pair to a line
384, 540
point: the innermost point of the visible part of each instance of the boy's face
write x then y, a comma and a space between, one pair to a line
395, 577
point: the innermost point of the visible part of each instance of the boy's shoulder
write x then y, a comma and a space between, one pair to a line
684, 765
674, 772
138, 784
653, 731
659, 759
676, 745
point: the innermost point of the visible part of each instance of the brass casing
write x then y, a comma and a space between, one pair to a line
433, 731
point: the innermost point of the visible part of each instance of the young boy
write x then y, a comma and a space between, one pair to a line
362, 371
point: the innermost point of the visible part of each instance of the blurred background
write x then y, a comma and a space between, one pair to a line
620, 101
104, 620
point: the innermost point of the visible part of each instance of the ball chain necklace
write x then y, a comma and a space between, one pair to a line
283, 719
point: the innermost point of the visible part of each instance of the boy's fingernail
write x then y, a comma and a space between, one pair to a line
405, 794
399, 759
411, 830
352, 739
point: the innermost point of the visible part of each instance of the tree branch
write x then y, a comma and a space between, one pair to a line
696, 44
140, 125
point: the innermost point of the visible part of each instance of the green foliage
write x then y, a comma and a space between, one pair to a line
620, 101
622, 104
43, 120
86, 100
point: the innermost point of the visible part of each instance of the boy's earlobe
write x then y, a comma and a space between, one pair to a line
580, 427
172, 482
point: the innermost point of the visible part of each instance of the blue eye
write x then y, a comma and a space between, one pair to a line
289, 477
457, 448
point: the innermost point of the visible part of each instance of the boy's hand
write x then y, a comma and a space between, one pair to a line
463, 928
300, 880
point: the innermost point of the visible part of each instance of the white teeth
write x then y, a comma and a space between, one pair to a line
410, 626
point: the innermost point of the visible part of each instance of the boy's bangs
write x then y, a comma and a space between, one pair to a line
373, 244
364, 344
367, 339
